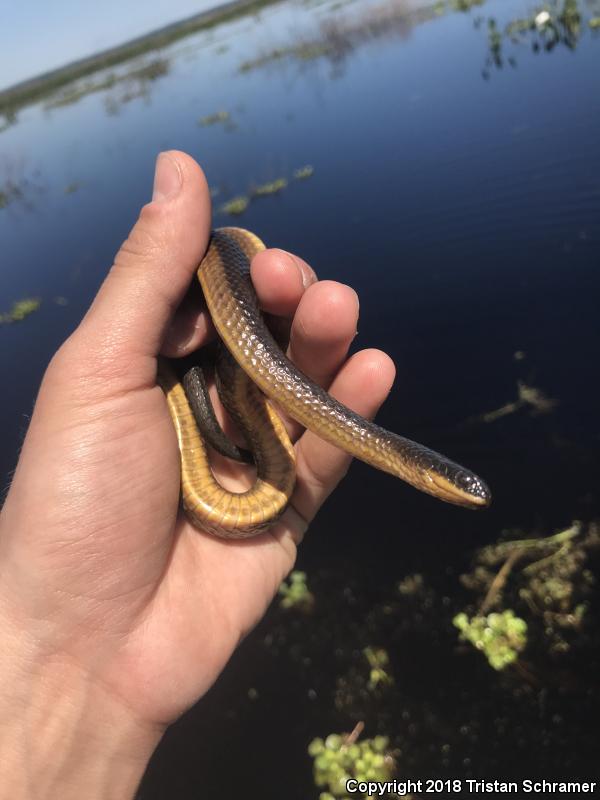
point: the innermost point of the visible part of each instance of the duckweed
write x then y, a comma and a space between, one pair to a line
296, 593
339, 758
501, 636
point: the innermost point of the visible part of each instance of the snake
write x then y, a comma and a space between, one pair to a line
256, 382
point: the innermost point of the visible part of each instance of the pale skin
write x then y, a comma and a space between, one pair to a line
116, 615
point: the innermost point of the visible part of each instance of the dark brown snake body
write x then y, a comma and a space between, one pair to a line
225, 278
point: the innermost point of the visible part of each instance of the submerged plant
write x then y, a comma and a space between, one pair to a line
270, 188
501, 636
20, 310
379, 662
296, 593
303, 172
214, 119
340, 758
237, 205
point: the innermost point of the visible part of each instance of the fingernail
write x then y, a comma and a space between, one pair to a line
167, 178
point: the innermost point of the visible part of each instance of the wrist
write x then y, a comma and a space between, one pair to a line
64, 735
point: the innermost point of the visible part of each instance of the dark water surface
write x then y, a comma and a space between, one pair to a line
461, 199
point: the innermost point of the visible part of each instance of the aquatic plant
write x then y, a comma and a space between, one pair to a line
20, 310
270, 188
554, 23
551, 582
296, 593
237, 205
340, 758
303, 172
214, 119
464, 5
379, 662
411, 584
494, 41
500, 636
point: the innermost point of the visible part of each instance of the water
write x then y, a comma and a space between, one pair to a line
462, 202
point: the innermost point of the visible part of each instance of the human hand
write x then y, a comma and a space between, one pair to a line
116, 614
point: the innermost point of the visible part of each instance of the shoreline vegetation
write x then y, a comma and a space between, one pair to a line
48, 84
20, 95
564, 23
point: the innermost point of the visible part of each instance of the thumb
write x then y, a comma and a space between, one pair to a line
127, 321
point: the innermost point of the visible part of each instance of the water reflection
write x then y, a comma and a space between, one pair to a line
20, 184
120, 88
339, 32
62, 80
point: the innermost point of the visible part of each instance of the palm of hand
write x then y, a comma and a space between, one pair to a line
122, 555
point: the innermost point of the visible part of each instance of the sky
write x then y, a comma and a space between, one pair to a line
40, 35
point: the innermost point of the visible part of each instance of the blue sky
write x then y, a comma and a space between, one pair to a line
39, 35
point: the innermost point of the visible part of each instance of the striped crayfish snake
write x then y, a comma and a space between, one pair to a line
252, 371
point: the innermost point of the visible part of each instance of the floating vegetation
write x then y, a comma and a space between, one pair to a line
296, 593
214, 119
273, 187
71, 188
543, 582
464, 5
501, 637
494, 41
20, 310
379, 662
302, 173
554, 23
545, 575
237, 205
340, 758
